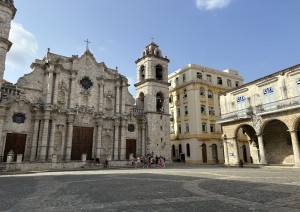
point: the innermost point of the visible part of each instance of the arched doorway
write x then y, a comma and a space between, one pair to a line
204, 153
173, 151
247, 139
214, 152
277, 142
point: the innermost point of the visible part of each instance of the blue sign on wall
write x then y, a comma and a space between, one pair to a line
231, 154
240, 99
268, 90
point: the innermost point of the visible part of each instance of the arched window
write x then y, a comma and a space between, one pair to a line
202, 92
173, 150
140, 100
142, 72
159, 102
210, 94
158, 72
188, 152
180, 149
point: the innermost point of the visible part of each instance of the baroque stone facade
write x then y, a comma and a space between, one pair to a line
268, 111
69, 107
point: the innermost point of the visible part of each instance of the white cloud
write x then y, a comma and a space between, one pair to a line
212, 4
22, 52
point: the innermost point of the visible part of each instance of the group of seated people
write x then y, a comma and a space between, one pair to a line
149, 161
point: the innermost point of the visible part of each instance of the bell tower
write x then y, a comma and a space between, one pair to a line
152, 90
7, 13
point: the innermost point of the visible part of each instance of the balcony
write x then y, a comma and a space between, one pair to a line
278, 106
234, 116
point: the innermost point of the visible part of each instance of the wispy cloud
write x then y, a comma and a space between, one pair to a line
23, 50
212, 4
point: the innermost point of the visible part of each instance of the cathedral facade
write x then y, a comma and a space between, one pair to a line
69, 107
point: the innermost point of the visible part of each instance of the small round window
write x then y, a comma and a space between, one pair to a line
130, 127
86, 83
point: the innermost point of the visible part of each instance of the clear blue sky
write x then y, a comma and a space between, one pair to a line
255, 37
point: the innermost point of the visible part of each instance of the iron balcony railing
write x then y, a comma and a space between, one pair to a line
272, 107
279, 105
239, 114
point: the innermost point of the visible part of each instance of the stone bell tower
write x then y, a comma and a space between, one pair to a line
7, 13
152, 89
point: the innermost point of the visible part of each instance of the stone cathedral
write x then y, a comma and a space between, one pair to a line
67, 107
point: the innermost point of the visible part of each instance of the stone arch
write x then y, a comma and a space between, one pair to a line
296, 124
250, 144
277, 142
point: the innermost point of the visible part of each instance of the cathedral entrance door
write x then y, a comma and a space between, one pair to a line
130, 147
82, 142
15, 142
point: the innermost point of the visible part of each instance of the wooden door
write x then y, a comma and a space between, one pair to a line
15, 142
82, 142
204, 153
130, 147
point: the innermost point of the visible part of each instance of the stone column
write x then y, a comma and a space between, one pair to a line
69, 137
123, 140
117, 98
226, 156
44, 143
124, 86
296, 148
99, 140
62, 129
261, 146
101, 92
116, 142
52, 136
49, 84
235, 148
72, 90
34, 139
55, 92
1, 141
143, 138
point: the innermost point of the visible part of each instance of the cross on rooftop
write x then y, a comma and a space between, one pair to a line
87, 43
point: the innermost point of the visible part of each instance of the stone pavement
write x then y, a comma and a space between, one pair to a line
177, 188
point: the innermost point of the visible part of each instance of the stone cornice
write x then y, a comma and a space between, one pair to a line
11, 7
152, 80
200, 82
204, 70
161, 58
7, 42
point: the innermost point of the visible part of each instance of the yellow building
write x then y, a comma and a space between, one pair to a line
268, 111
194, 105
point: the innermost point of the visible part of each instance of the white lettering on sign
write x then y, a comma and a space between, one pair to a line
240, 99
268, 90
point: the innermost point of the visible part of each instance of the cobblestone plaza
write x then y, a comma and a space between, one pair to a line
176, 188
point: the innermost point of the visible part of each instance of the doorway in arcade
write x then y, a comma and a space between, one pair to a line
82, 142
